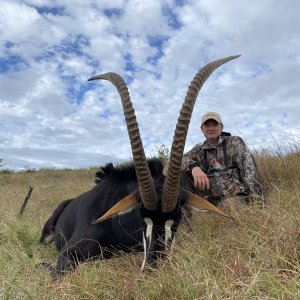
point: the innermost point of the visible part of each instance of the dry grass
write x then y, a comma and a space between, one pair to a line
256, 256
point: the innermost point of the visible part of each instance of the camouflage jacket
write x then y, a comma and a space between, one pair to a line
229, 165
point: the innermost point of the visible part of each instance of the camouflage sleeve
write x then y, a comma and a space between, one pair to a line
248, 170
190, 158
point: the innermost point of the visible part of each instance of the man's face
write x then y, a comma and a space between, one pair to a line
212, 129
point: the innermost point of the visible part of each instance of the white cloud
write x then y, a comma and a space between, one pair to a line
50, 115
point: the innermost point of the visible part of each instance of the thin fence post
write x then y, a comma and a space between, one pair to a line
25, 201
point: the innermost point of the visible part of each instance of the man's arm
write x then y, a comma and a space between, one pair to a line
190, 164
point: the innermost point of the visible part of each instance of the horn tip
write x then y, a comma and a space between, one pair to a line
101, 76
93, 78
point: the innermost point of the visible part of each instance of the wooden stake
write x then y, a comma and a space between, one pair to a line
25, 201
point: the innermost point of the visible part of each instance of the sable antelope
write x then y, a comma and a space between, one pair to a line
134, 206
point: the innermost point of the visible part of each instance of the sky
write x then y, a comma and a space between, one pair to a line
51, 116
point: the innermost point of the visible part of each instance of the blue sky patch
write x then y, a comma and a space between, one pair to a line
12, 63
113, 12
158, 43
75, 89
180, 2
9, 45
80, 41
56, 11
261, 69
107, 113
129, 65
171, 17
70, 47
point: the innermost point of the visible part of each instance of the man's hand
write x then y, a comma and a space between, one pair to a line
200, 179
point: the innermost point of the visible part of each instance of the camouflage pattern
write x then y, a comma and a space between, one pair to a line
239, 176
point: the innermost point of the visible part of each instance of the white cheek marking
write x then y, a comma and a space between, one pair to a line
149, 229
168, 231
146, 238
145, 252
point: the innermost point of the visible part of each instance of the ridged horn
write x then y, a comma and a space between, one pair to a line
145, 181
170, 189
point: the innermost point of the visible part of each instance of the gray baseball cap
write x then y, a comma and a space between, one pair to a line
211, 116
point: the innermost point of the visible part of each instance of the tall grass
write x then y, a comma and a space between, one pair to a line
254, 256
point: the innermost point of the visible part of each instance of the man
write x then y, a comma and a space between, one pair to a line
222, 166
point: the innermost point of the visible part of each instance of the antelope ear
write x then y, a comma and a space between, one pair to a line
199, 203
124, 206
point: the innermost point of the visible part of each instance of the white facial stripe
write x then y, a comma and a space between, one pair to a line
145, 252
146, 238
149, 229
168, 231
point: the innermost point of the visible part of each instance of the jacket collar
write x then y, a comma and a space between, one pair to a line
221, 140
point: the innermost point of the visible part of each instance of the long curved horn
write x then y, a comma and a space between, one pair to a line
170, 189
145, 181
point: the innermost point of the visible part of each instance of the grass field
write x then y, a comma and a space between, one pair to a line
254, 256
